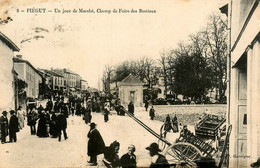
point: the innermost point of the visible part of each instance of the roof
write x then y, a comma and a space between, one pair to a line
19, 60
131, 80
83, 80
224, 9
53, 73
8, 42
41, 71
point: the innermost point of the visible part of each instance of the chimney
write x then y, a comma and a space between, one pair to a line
19, 56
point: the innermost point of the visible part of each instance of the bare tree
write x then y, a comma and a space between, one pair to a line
107, 74
163, 63
216, 40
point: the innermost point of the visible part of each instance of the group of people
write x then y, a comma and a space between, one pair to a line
10, 127
52, 120
96, 146
170, 125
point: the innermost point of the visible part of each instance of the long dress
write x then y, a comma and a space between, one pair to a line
53, 126
42, 126
21, 118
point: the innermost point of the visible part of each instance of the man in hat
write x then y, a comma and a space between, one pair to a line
158, 160
13, 126
4, 127
128, 160
256, 164
96, 144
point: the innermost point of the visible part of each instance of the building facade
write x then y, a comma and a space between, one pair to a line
84, 84
131, 89
70, 78
29, 74
57, 80
7, 84
244, 75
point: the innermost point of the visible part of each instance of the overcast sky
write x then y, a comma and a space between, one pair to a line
86, 42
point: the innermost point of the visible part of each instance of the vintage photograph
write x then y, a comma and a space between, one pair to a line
129, 84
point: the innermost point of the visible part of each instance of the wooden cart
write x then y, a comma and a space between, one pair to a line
187, 148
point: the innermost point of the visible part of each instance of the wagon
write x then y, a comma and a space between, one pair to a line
187, 148
209, 126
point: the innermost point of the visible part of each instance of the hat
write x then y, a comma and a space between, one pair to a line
132, 146
257, 163
153, 147
11, 112
93, 124
4, 112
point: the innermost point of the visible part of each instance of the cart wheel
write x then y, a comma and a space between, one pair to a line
182, 155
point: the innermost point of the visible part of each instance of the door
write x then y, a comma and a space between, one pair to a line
241, 118
132, 96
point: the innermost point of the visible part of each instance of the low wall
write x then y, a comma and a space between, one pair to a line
188, 114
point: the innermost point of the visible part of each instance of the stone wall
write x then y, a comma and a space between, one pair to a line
188, 114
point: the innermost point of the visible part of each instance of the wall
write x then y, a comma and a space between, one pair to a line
124, 94
6, 78
19, 68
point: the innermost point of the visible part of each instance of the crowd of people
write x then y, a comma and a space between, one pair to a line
51, 121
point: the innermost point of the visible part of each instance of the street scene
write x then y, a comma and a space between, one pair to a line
170, 84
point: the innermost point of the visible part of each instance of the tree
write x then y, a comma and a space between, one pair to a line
215, 35
21, 89
191, 75
107, 74
163, 63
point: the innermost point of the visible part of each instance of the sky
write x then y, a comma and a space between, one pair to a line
86, 42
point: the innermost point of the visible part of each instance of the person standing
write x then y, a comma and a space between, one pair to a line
146, 104
53, 126
158, 160
106, 110
49, 105
131, 108
13, 126
175, 126
128, 160
31, 120
4, 127
42, 125
62, 119
152, 113
96, 144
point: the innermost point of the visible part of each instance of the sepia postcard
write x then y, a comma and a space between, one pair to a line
132, 83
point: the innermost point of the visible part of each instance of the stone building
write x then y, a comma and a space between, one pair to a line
244, 75
28, 73
7, 75
131, 89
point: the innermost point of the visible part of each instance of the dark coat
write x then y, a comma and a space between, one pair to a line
53, 125
13, 125
31, 118
128, 161
61, 121
131, 108
42, 126
151, 113
161, 162
96, 143
4, 126
111, 156
49, 106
